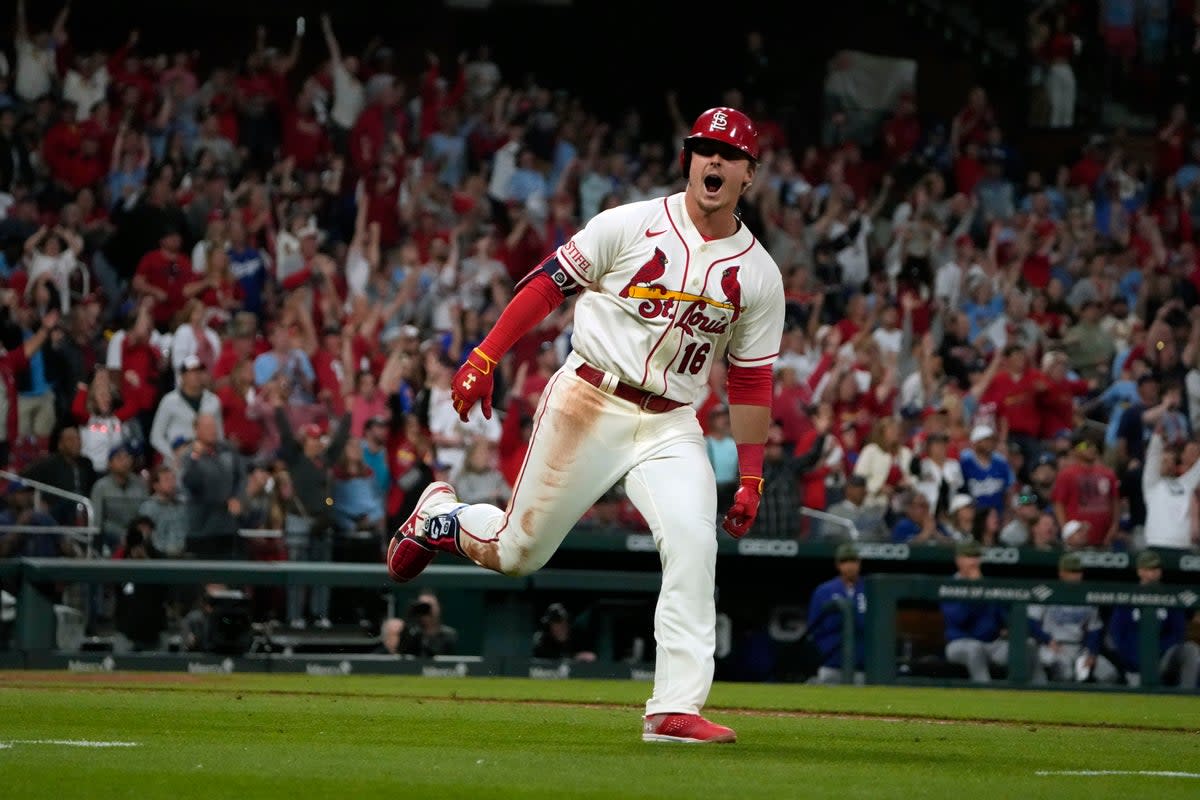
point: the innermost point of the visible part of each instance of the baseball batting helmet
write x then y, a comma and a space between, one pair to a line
726, 125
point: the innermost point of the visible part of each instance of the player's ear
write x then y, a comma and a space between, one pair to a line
750, 170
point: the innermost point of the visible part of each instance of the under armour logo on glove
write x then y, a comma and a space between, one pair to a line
740, 516
473, 384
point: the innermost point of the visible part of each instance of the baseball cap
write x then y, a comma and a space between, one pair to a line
1044, 457
1147, 377
981, 432
376, 420
555, 612
190, 363
1148, 559
846, 552
960, 500
311, 430
856, 480
969, 549
1070, 562
123, 447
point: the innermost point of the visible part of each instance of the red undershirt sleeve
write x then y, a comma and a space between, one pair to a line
529, 306
750, 386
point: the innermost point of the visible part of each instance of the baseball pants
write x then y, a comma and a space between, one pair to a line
979, 656
585, 441
1181, 661
1060, 665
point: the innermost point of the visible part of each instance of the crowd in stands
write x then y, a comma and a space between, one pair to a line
235, 294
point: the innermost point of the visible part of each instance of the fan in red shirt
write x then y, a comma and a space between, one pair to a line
1086, 490
62, 142
1087, 170
972, 123
851, 406
161, 274
409, 454
856, 320
812, 447
902, 133
332, 381
381, 123
125, 70
244, 341
514, 438
140, 363
522, 248
101, 125
1058, 401
435, 95
1173, 140
241, 430
382, 196
968, 169
221, 290
85, 169
1017, 390
304, 138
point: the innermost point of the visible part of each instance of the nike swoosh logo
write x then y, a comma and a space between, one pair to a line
652, 234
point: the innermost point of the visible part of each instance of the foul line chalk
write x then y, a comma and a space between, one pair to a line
67, 743
1093, 773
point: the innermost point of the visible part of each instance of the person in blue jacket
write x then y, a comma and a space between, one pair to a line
1179, 657
825, 619
977, 632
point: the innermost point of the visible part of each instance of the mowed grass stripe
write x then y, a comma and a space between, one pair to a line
1173, 712
216, 744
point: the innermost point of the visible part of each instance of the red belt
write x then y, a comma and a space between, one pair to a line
654, 403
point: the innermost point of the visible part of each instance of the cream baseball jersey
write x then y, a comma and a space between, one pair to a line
661, 303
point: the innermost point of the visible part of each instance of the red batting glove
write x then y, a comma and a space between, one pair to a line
473, 383
740, 516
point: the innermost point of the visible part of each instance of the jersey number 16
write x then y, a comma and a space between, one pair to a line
693, 359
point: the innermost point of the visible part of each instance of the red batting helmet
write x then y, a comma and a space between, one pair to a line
726, 125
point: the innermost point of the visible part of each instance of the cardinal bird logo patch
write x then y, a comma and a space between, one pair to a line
647, 273
732, 290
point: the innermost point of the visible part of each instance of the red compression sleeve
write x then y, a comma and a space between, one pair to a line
750, 461
529, 306
750, 386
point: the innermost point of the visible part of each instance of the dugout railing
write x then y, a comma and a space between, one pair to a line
887, 593
503, 608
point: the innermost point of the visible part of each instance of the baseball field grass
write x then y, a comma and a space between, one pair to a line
147, 735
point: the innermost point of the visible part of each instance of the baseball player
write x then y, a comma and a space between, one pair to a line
825, 621
666, 287
1069, 636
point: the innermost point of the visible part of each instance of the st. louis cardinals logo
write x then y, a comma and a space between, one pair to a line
660, 301
719, 121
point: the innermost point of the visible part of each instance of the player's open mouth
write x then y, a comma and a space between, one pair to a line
713, 183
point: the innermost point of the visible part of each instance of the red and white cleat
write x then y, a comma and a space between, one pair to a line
410, 552
689, 728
